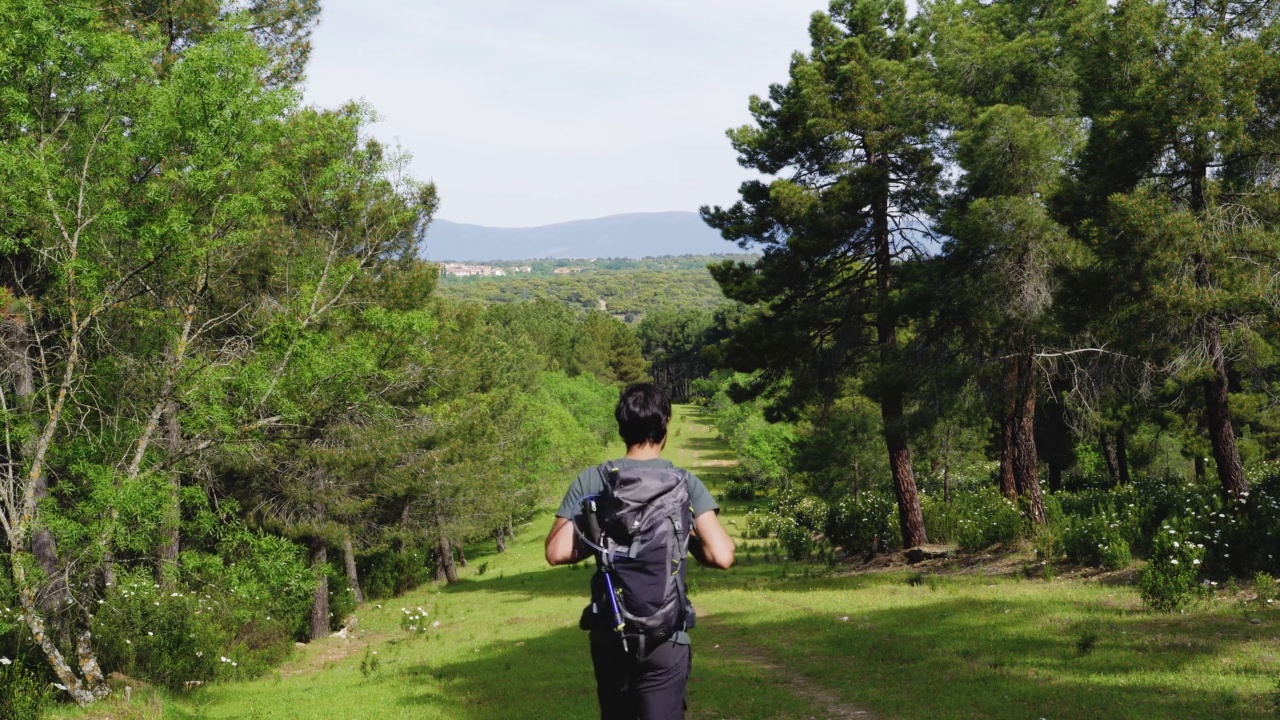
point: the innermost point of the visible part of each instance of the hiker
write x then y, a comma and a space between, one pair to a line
640, 516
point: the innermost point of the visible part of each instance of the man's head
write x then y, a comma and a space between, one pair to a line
642, 413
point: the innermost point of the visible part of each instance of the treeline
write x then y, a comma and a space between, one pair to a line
1100, 180
232, 403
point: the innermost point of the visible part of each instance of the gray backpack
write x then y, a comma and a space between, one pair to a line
638, 529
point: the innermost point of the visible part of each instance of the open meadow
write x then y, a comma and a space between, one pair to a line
775, 639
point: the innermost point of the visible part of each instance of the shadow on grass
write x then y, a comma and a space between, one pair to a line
953, 657
977, 658
551, 677
708, 448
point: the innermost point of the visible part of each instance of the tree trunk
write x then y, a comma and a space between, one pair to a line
349, 560
1025, 460
1122, 455
500, 535
45, 549
1221, 435
320, 599
171, 522
1055, 476
462, 555
1008, 432
89, 685
1199, 467
910, 516
1109, 454
445, 569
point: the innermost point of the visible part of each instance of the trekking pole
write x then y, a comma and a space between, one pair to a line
617, 613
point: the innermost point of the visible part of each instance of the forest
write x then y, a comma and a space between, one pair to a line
1007, 282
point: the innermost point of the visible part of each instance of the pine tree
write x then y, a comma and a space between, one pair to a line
847, 139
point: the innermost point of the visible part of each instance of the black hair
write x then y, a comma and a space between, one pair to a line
643, 411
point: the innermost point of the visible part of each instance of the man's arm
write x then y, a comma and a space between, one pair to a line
709, 544
561, 546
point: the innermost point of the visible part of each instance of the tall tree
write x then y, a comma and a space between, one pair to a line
1174, 188
847, 139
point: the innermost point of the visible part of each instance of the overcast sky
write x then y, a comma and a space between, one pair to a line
527, 113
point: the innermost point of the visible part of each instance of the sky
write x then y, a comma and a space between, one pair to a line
529, 113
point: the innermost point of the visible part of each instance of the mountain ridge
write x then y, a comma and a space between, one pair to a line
627, 235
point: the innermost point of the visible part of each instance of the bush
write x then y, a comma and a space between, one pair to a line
796, 539
741, 486
230, 615
1098, 540
342, 599
1169, 582
23, 694
171, 638
760, 524
864, 523
743, 490
390, 573
974, 520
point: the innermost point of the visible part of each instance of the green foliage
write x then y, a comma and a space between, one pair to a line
370, 663
24, 694
1266, 588
389, 573
974, 519
865, 522
1100, 539
172, 638
1171, 578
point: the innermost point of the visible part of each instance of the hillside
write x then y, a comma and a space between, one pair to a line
633, 235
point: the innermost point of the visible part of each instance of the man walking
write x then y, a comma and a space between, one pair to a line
638, 514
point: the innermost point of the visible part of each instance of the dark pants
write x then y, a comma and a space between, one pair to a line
634, 687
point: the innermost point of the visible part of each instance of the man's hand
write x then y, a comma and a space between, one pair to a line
709, 544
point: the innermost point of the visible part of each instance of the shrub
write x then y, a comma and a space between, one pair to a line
23, 694
796, 539
739, 490
1098, 540
760, 524
1169, 582
858, 523
1267, 588
342, 599
974, 520
230, 615
170, 637
741, 487
390, 573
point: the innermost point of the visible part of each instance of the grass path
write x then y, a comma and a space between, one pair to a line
776, 640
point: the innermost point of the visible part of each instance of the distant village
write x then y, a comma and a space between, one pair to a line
472, 270
468, 270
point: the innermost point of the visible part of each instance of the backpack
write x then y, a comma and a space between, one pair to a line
638, 528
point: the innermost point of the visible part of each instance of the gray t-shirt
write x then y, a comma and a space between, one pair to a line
591, 482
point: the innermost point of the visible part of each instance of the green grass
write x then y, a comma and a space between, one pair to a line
962, 645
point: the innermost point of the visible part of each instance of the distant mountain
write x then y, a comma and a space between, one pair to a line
634, 235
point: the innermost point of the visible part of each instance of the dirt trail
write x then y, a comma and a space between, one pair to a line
799, 685
757, 658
